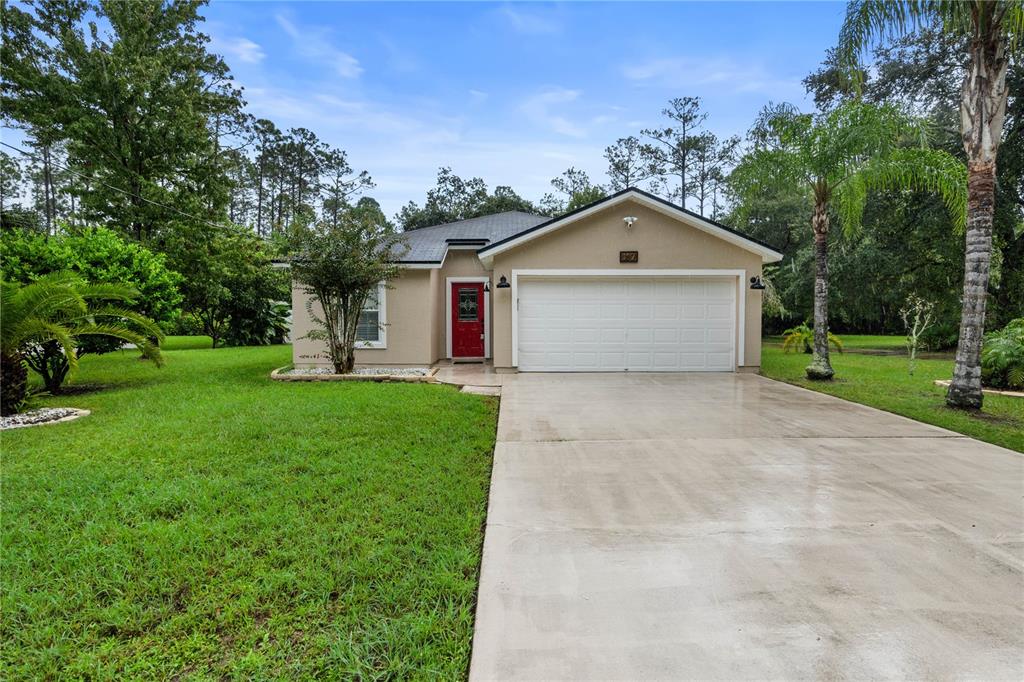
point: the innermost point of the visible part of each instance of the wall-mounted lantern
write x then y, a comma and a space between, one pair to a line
756, 283
503, 283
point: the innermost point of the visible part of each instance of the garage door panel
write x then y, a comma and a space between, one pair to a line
719, 311
642, 324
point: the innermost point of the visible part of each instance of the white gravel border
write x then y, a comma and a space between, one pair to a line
379, 374
25, 419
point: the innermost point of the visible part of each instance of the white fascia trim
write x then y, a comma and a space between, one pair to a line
382, 321
739, 351
448, 281
767, 255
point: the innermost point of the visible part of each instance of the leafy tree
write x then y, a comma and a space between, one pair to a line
671, 148
503, 199
341, 184
574, 189
838, 158
231, 284
100, 256
711, 157
628, 165
992, 29
454, 198
10, 180
134, 103
339, 267
41, 324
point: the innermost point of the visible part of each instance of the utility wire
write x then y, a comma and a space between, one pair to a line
118, 189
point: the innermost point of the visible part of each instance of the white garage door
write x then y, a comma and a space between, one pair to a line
636, 324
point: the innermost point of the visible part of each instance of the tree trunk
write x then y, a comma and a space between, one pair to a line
965, 389
13, 383
820, 368
982, 112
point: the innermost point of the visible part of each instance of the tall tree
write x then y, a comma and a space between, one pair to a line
452, 198
671, 147
340, 185
628, 165
10, 180
133, 102
838, 158
992, 29
711, 157
573, 189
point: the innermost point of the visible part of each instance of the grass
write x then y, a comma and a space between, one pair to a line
883, 381
186, 342
206, 522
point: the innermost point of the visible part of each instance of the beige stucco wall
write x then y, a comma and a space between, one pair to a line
594, 243
416, 301
411, 312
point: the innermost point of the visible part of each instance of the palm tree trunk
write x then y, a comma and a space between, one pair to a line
13, 382
820, 367
983, 97
965, 389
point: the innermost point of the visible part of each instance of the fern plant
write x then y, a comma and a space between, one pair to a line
1002, 356
801, 339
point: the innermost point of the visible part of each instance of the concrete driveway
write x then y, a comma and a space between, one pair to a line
728, 526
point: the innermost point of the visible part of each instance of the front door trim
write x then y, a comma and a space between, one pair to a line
741, 296
449, 281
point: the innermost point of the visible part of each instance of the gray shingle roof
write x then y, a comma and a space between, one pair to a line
428, 244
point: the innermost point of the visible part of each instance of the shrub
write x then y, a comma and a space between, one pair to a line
801, 338
231, 285
1002, 356
42, 325
99, 256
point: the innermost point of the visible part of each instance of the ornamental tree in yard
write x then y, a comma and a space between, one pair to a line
992, 31
340, 265
838, 158
42, 323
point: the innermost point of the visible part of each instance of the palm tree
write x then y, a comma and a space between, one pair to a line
991, 29
838, 157
44, 320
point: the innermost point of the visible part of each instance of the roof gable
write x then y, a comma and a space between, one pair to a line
767, 253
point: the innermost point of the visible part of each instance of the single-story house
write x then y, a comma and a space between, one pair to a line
627, 283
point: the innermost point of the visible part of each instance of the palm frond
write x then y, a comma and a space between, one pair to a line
148, 348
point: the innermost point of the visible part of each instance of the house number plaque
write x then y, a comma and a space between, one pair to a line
629, 256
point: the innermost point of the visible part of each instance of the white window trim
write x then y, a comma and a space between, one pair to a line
448, 314
382, 322
739, 350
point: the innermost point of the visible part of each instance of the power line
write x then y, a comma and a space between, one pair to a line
118, 189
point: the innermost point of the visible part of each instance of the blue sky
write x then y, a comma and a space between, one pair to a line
514, 93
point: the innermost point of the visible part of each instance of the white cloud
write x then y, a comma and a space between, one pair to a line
537, 109
313, 44
239, 49
478, 96
721, 72
530, 22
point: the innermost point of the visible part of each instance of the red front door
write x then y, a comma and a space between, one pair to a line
467, 320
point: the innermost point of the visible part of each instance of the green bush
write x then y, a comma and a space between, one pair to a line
99, 256
1002, 356
801, 339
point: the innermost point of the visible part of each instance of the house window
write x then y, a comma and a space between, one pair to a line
468, 304
370, 332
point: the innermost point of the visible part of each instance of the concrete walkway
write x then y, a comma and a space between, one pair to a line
731, 527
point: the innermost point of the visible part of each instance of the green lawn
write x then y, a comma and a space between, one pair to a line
883, 382
186, 342
208, 523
